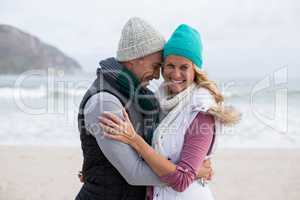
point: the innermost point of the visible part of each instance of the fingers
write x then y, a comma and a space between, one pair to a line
109, 130
127, 120
207, 170
204, 171
80, 176
125, 114
81, 179
207, 163
119, 137
107, 122
114, 137
113, 117
209, 176
112, 124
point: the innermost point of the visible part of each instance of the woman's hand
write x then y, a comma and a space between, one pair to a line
205, 172
116, 128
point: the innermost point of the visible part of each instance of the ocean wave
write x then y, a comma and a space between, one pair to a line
39, 92
294, 92
43, 92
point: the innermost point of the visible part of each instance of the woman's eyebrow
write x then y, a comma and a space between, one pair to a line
169, 64
184, 65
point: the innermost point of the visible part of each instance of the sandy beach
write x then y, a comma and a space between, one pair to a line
48, 173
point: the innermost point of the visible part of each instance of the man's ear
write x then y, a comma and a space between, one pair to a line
128, 64
140, 61
136, 62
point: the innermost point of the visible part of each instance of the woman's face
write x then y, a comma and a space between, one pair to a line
178, 72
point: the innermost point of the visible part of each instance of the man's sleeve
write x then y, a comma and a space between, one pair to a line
121, 156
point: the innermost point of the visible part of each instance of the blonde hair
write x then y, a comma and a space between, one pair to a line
228, 115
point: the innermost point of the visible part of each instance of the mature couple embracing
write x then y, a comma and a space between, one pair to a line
140, 145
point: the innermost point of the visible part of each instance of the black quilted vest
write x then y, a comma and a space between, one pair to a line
102, 181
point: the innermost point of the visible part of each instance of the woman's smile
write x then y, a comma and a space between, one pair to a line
178, 73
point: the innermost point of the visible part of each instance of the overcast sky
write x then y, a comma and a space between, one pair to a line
241, 37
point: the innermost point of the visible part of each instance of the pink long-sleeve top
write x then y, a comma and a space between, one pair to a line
197, 143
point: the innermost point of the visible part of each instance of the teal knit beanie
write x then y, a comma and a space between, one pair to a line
185, 42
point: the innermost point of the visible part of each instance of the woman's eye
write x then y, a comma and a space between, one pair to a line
169, 66
183, 68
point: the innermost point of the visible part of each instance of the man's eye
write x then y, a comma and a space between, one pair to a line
157, 65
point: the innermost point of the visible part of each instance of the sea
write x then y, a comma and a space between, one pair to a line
40, 109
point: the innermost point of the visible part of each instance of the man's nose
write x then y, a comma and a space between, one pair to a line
156, 74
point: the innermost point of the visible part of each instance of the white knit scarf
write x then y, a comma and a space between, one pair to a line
173, 106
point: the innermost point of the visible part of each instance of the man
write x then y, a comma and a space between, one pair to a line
113, 170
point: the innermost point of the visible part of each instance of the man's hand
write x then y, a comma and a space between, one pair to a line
205, 171
80, 176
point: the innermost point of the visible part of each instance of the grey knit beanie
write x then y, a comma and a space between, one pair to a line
138, 39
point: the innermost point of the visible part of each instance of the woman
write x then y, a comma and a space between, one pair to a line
192, 113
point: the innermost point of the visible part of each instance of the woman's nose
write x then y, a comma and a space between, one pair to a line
176, 74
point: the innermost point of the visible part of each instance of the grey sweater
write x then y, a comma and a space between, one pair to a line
125, 159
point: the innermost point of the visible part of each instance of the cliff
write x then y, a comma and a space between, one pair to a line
20, 51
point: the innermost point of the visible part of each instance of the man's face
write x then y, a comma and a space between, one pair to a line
147, 68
